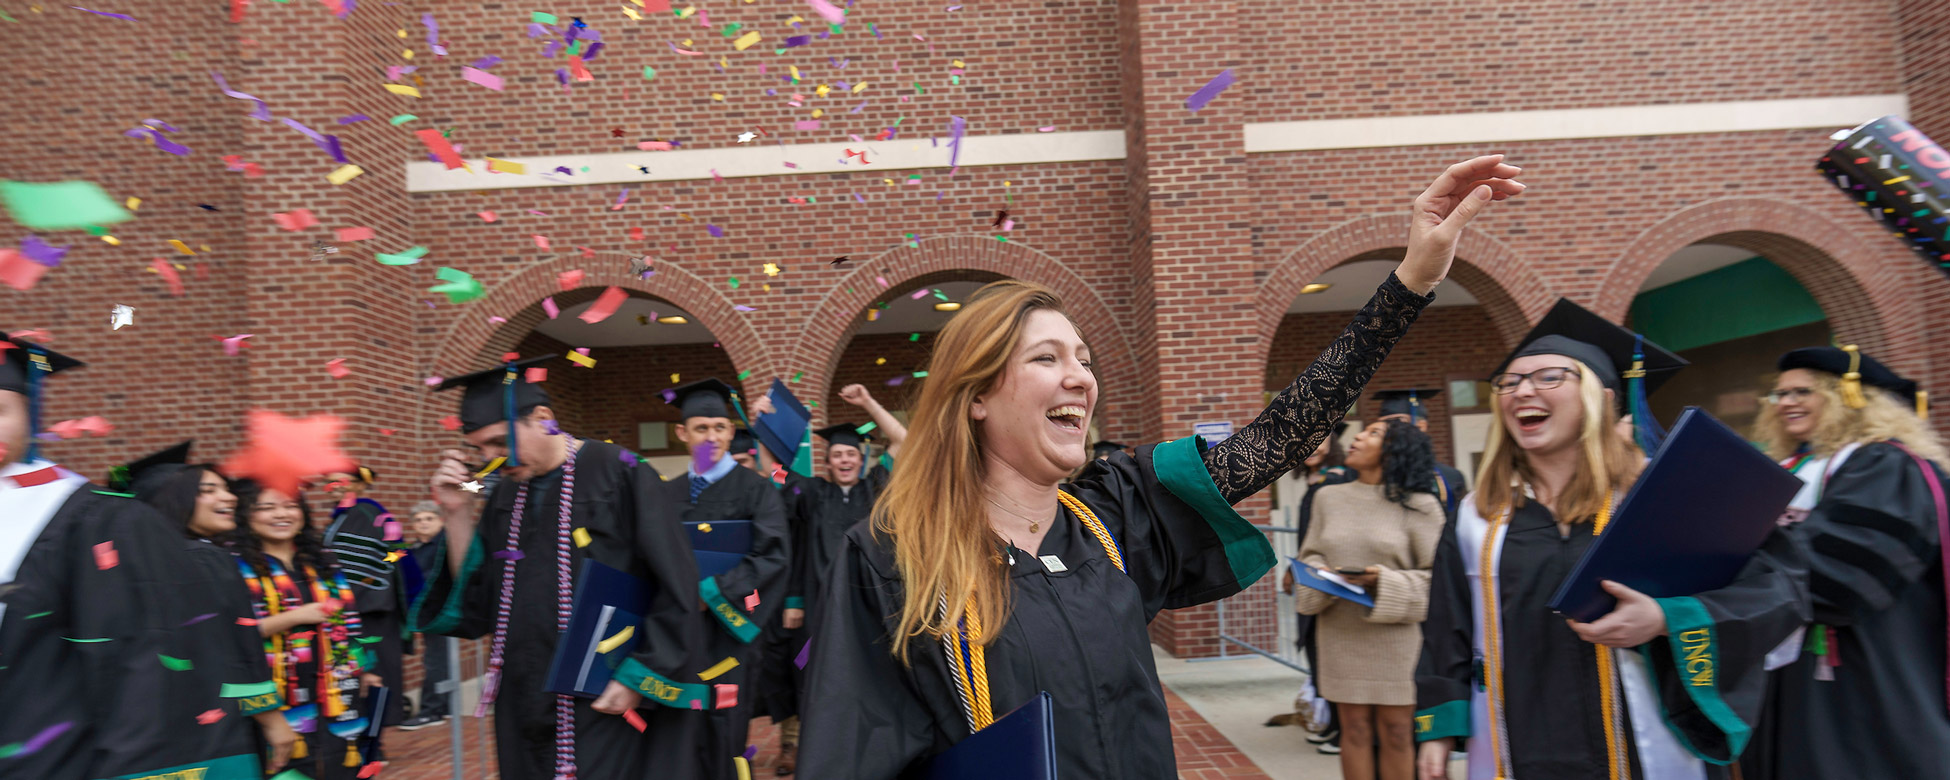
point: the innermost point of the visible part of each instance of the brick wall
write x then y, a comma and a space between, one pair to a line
1178, 262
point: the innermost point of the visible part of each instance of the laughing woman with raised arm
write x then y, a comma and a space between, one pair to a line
982, 579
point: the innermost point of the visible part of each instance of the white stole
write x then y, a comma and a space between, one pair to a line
25, 511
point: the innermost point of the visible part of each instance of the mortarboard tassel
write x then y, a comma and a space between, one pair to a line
1646, 431
351, 753
1923, 405
1852, 381
298, 750
508, 411
36, 366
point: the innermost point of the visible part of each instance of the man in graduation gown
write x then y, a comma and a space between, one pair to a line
110, 645
1406, 405
1530, 698
368, 542
737, 526
510, 576
821, 509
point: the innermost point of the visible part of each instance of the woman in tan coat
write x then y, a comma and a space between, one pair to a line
1384, 525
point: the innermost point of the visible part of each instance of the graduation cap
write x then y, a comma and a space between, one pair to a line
499, 394
144, 475
23, 366
847, 434
1856, 369
1405, 402
1575, 332
1103, 448
703, 398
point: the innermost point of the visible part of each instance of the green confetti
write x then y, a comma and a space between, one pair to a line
38, 615
797, 375
731, 29
914, 337
744, 375
1003, 239
408, 257
175, 664
867, 428
920, 375
83, 641
939, 294
61, 205
649, 73
543, 18
459, 286
733, 281
7, 751
955, 80
402, 119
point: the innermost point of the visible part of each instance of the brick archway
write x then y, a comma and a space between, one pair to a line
1851, 279
472, 341
1508, 287
831, 324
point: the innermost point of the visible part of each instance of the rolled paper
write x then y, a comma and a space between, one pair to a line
1899, 176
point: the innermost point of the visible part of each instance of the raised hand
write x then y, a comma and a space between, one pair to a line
856, 395
1441, 211
763, 405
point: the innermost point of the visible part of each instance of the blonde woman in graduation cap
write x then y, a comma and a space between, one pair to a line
983, 580
1872, 509
1535, 695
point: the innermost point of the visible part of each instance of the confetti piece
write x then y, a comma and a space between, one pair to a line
442, 150
282, 451
751, 601
106, 557
168, 274
617, 640
487, 216
403, 89
336, 367
295, 219
38, 741
354, 233
62, 205
345, 173
19, 272
175, 664
482, 78
209, 716
581, 536
1211, 90
181, 247
805, 651
505, 166
831, 13
549, 307
605, 305
747, 40
810, 124
121, 316
727, 696
402, 119
536, 375
459, 286
247, 621
581, 359
408, 257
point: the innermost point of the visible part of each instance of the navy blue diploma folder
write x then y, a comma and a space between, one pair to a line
719, 545
1019, 746
1305, 575
1701, 508
783, 430
607, 601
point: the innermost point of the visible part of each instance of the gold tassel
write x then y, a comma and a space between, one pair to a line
351, 754
1852, 381
1923, 404
298, 749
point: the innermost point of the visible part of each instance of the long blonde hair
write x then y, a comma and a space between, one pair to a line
1882, 419
1610, 463
933, 506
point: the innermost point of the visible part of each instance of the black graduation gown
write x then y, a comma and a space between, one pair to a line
742, 494
378, 593
1551, 685
820, 513
127, 712
629, 529
1877, 581
1078, 634
1450, 488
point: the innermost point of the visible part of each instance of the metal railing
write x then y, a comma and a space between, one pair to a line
1286, 545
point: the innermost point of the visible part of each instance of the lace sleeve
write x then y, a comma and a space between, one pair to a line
1303, 414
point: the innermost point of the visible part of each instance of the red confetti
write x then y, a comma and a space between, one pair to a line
441, 149
210, 716
336, 367
635, 720
605, 305
282, 451
105, 556
246, 621
751, 602
168, 273
355, 233
570, 280
450, 422
388, 431
536, 375
727, 696
295, 219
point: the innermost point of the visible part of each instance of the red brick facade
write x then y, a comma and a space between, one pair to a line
1179, 261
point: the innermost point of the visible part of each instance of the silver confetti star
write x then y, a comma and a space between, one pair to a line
471, 486
746, 137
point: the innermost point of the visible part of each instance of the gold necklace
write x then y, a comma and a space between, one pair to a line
1034, 525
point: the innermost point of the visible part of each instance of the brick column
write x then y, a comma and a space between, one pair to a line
1198, 251
1925, 29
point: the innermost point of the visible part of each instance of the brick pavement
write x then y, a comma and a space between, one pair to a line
1203, 753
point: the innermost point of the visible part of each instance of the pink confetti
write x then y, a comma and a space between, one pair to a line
434, 381
751, 601
919, 294
570, 280
742, 308
541, 242
548, 305
831, 13
482, 78
536, 375
1047, 129
355, 233
105, 556
808, 124
882, 280
487, 216
654, 146
336, 367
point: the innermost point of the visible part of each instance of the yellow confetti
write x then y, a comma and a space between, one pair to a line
686, 14
401, 33
717, 96
880, 361
616, 641
639, 3
673, 379
581, 360
771, 269
822, 90
182, 247
581, 536
794, 20
959, 64
204, 248
408, 54
402, 89
345, 173
873, 314
133, 203
631, 12
818, 112
860, 87
795, 72
506, 166
744, 767
718, 669
112, 241
747, 40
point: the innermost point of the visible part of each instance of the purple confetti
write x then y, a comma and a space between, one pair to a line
41, 251
714, 230
1211, 90
627, 457
704, 458
563, 169
896, 381
263, 111
40, 740
620, 197
794, 41
328, 143
112, 16
742, 307
551, 427
156, 132
670, 396
199, 618
487, 62
509, 555
433, 34
548, 52
857, 109
594, 49
957, 127
346, 120
856, 196
805, 651
750, 751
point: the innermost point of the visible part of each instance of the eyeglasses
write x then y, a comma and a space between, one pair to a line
1779, 397
1542, 379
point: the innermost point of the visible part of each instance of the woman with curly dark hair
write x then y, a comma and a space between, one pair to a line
1383, 525
311, 633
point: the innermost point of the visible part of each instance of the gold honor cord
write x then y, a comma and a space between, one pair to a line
970, 660
1493, 658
